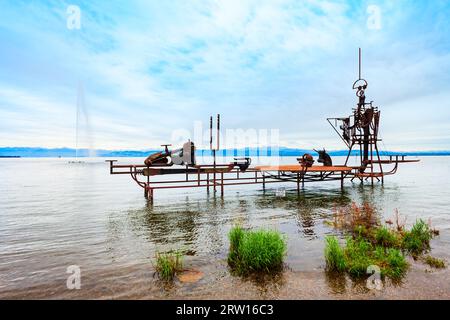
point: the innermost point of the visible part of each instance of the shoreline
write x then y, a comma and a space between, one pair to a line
138, 282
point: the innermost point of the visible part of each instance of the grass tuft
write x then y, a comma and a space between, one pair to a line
434, 262
386, 237
236, 235
371, 243
396, 262
168, 264
256, 251
334, 255
358, 254
417, 240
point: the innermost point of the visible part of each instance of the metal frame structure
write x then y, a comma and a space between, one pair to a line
215, 177
358, 130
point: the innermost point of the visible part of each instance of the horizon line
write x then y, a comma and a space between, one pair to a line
65, 152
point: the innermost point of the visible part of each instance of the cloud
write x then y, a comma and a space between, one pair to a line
152, 67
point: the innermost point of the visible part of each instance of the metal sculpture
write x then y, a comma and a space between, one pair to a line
306, 160
324, 158
360, 129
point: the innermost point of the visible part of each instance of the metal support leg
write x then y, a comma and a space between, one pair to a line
149, 194
221, 184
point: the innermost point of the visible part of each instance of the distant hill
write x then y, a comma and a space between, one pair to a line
68, 152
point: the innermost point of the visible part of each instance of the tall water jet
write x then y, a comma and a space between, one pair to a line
83, 122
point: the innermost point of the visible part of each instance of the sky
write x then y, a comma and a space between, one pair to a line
152, 72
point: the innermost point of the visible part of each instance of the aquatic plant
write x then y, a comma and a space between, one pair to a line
256, 251
334, 255
236, 235
417, 240
168, 264
358, 254
434, 262
371, 243
397, 264
353, 216
386, 237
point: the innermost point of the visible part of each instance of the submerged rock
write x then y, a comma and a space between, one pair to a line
190, 276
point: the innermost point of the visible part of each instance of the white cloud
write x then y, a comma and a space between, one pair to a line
153, 67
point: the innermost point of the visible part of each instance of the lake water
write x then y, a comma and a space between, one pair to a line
54, 214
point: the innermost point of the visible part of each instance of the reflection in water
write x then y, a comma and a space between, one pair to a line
307, 207
267, 284
166, 228
337, 282
192, 226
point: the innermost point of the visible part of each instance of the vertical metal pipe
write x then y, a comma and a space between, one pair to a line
359, 59
371, 163
221, 184
214, 173
210, 132
218, 131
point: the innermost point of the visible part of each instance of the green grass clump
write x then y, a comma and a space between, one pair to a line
396, 262
417, 240
334, 255
386, 237
358, 254
236, 235
256, 251
371, 243
434, 262
168, 264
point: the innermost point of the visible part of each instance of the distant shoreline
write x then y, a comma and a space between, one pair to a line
202, 155
30, 152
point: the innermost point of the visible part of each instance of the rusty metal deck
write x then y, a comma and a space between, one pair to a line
299, 168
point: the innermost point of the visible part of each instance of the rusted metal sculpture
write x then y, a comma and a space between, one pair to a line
306, 160
324, 158
359, 130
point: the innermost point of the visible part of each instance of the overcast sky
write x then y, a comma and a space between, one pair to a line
150, 68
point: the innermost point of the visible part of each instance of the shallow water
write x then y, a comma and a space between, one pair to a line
54, 214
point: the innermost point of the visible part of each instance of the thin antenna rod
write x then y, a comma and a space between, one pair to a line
218, 131
210, 132
359, 54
